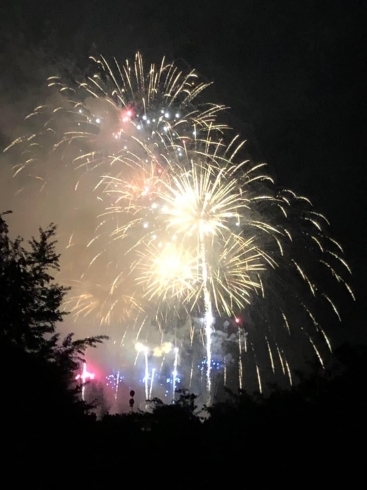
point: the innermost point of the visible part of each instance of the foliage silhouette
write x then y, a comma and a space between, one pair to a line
37, 366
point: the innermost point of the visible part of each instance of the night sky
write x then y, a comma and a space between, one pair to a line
293, 73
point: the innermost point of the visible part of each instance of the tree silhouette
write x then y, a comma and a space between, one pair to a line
37, 366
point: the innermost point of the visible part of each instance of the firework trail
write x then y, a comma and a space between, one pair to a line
174, 373
84, 377
151, 384
144, 349
162, 221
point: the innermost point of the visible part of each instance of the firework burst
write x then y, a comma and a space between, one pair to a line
217, 236
91, 120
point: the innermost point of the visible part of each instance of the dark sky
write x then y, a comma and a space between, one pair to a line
293, 72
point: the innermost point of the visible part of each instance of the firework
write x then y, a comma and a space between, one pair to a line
113, 109
213, 236
164, 224
84, 377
